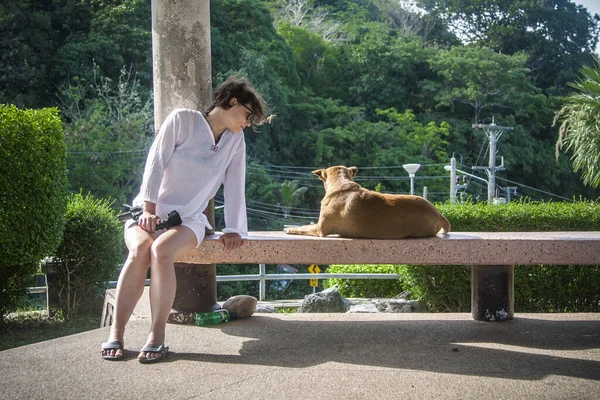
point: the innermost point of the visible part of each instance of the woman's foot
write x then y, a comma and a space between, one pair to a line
112, 350
151, 353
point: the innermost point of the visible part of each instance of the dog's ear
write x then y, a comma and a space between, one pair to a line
354, 170
321, 174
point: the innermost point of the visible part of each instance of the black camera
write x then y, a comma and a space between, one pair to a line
173, 218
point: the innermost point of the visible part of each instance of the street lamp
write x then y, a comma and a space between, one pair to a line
411, 169
453, 170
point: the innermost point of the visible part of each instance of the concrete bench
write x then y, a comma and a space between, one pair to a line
492, 256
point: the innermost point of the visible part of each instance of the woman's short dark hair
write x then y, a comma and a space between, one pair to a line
240, 88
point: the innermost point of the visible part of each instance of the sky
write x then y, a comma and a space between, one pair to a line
593, 7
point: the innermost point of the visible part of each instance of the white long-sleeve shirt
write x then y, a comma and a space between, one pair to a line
183, 172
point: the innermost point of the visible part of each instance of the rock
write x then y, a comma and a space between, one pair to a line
363, 308
242, 305
327, 301
265, 309
181, 317
401, 306
404, 295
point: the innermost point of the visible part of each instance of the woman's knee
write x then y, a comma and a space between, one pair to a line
160, 254
140, 250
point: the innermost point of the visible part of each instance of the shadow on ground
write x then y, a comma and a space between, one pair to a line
525, 348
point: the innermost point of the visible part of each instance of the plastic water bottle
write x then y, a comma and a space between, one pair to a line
212, 318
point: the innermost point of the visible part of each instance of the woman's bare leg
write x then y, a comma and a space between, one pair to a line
168, 247
130, 285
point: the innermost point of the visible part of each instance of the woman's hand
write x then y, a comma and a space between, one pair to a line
148, 221
231, 241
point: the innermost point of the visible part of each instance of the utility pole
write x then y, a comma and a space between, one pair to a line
493, 132
508, 190
454, 179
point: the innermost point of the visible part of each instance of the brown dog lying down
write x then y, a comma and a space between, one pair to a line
350, 210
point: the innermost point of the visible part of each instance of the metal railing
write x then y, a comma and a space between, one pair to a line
263, 277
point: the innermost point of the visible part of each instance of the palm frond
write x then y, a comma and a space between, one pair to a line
580, 128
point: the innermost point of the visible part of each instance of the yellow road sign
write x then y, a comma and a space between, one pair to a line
314, 282
314, 269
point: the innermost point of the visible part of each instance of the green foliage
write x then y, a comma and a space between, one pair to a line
226, 290
309, 51
523, 216
290, 196
558, 35
108, 130
326, 68
33, 327
481, 78
45, 43
557, 288
25, 47
33, 195
90, 253
232, 35
275, 289
366, 288
444, 288
580, 128
429, 139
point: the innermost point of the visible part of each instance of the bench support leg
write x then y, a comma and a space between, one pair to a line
492, 292
196, 291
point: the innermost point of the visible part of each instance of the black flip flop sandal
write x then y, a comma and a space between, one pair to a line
153, 348
114, 345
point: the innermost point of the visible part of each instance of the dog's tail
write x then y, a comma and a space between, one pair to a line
445, 225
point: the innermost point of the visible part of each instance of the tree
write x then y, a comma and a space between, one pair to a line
108, 131
45, 43
481, 78
309, 52
26, 45
580, 127
291, 194
304, 13
559, 36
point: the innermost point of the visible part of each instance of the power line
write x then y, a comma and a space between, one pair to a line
537, 190
108, 152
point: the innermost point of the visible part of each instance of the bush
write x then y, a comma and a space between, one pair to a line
557, 289
537, 288
366, 288
522, 216
90, 252
444, 288
33, 196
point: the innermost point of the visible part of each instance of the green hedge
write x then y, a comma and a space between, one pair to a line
523, 216
537, 288
90, 253
366, 288
33, 196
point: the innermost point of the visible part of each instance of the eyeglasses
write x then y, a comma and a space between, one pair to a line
249, 116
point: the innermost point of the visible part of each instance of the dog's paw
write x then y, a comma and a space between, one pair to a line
291, 229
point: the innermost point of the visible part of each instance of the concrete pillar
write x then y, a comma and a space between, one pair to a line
492, 292
181, 55
182, 78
